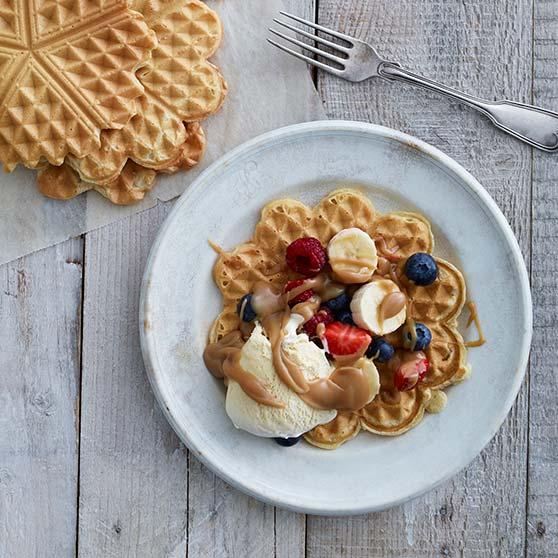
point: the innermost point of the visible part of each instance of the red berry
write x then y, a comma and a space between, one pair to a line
303, 296
344, 339
306, 256
290, 285
323, 316
411, 372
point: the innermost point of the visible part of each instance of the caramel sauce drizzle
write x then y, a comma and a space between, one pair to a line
391, 305
474, 318
216, 248
388, 253
346, 388
222, 359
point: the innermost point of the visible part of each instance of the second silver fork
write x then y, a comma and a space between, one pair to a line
357, 61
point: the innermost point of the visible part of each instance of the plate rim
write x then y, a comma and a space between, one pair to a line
146, 338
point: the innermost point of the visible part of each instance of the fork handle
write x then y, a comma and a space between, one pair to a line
536, 126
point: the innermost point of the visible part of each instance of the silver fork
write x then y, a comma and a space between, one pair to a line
358, 61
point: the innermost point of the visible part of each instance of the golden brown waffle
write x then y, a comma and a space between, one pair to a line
63, 183
393, 412
133, 182
345, 426
68, 71
438, 306
180, 86
410, 231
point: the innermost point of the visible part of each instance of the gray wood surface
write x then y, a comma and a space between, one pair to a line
542, 504
88, 464
39, 401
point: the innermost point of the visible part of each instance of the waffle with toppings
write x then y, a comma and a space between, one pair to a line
366, 288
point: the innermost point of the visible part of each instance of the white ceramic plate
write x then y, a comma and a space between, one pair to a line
180, 301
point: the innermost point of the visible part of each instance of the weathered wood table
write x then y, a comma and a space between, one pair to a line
88, 464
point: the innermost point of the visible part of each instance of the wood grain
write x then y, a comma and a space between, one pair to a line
484, 48
133, 469
39, 402
542, 525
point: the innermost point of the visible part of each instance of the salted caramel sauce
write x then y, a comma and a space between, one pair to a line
347, 388
392, 304
394, 277
266, 300
474, 318
322, 285
349, 359
320, 330
387, 252
216, 248
222, 359
288, 371
365, 269
308, 308
384, 266
246, 329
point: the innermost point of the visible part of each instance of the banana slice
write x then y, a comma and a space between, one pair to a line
352, 256
369, 367
379, 307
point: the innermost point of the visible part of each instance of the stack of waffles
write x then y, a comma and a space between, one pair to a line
105, 94
438, 305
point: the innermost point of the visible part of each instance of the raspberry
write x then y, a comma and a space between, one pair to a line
323, 316
303, 296
306, 256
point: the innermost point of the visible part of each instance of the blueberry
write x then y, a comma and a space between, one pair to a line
380, 347
345, 316
288, 442
421, 269
248, 314
423, 337
338, 303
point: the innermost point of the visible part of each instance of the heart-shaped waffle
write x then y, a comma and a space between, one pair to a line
68, 71
345, 426
262, 259
131, 184
393, 412
180, 86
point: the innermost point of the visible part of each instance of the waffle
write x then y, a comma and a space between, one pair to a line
131, 184
180, 86
63, 183
282, 221
68, 71
342, 428
393, 412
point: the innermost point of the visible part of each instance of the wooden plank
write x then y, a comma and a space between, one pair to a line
484, 48
40, 317
542, 526
224, 522
133, 469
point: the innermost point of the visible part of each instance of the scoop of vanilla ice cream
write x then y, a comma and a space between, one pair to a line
297, 417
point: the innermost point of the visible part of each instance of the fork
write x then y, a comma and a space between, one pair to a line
358, 61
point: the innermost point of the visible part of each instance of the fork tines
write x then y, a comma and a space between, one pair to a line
338, 60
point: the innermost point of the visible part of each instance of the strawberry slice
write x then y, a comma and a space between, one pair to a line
344, 339
411, 372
